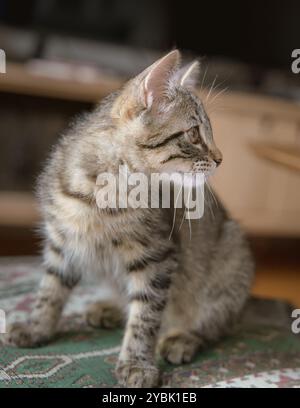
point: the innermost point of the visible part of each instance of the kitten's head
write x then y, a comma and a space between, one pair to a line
162, 121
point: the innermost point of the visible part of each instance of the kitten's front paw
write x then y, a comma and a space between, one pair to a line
133, 374
22, 335
104, 315
179, 348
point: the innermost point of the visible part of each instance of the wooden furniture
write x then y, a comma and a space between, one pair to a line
283, 155
24, 80
265, 197
18, 209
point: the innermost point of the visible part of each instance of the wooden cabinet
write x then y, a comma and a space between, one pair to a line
263, 195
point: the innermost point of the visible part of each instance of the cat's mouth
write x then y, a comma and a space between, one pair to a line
207, 168
190, 171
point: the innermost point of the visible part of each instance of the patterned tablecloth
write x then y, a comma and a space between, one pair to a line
263, 352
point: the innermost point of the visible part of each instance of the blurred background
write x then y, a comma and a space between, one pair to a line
64, 56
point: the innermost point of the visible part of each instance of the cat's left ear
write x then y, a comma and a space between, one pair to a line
188, 75
152, 89
157, 83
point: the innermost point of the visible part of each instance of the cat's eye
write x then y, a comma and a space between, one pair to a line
193, 135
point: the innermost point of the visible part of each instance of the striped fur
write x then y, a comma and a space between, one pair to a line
186, 292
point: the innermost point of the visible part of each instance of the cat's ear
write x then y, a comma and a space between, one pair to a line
157, 84
188, 76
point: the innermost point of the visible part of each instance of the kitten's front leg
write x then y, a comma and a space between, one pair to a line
52, 295
46, 312
149, 280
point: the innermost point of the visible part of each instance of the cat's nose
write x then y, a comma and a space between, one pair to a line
218, 161
217, 157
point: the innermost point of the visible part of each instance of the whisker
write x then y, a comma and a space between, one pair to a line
218, 94
209, 204
203, 78
211, 88
220, 83
174, 215
189, 220
183, 217
211, 192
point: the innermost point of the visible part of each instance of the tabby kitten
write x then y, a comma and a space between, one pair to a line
176, 292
